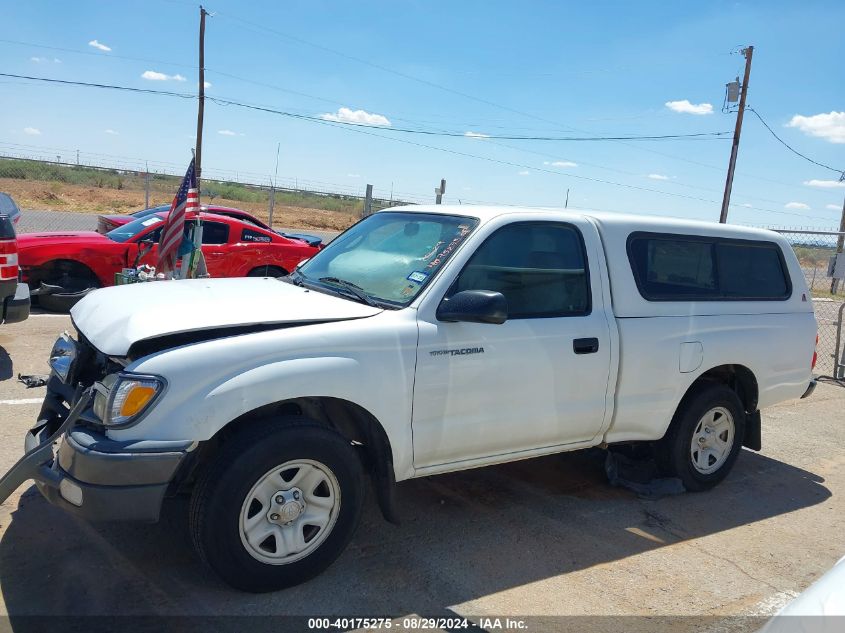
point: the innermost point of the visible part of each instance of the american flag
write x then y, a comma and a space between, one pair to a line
187, 199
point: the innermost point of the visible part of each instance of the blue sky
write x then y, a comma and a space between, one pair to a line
487, 67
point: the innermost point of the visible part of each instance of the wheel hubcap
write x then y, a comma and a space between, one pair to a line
712, 440
289, 512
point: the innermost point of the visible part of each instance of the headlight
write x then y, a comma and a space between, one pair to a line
129, 397
62, 356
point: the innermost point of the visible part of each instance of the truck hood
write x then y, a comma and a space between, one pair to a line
113, 319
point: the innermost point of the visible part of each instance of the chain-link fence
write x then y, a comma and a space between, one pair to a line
815, 251
116, 188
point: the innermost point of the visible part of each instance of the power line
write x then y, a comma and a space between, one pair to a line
100, 55
358, 129
410, 77
790, 148
432, 84
658, 137
89, 84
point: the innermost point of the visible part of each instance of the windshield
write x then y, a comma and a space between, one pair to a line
390, 256
128, 231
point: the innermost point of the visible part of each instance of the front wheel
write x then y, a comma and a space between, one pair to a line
705, 437
278, 505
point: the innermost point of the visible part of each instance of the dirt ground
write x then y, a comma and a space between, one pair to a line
32, 194
539, 539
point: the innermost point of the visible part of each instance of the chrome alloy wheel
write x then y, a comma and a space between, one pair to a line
712, 440
289, 512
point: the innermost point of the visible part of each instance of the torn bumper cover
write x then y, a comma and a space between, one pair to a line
92, 476
810, 388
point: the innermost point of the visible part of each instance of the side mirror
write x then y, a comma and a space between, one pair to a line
474, 306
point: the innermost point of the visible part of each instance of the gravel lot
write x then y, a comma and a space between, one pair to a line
543, 537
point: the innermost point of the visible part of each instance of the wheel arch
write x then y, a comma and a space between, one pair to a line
40, 272
739, 378
352, 421
743, 382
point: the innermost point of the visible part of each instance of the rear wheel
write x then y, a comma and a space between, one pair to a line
266, 271
705, 437
278, 505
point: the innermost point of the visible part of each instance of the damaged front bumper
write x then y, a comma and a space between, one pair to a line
91, 475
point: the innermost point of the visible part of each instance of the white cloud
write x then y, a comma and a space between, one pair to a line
99, 46
471, 134
685, 107
359, 117
32, 131
56, 60
825, 184
833, 207
110, 131
153, 75
353, 175
38, 60
524, 172
797, 205
658, 177
227, 132
206, 84
746, 205
829, 126
560, 163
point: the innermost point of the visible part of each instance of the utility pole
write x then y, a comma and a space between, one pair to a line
566, 204
146, 185
368, 202
840, 242
197, 267
201, 104
726, 200
273, 186
439, 191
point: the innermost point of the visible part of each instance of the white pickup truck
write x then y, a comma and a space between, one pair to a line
423, 340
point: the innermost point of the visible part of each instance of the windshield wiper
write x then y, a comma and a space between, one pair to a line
354, 289
296, 278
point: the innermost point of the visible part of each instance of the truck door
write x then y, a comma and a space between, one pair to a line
539, 379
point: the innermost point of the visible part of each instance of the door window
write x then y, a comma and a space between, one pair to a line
540, 268
212, 232
250, 235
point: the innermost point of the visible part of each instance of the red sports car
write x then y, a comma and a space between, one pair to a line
61, 267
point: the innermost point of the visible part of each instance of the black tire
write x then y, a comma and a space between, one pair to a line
266, 271
674, 452
243, 460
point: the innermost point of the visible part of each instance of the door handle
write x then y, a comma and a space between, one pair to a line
585, 345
